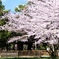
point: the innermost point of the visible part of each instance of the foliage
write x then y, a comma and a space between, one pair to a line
29, 3
5, 35
1, 8
42, 46
19, 8
3, 21
6, 11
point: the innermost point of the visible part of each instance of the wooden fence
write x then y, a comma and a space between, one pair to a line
25, 53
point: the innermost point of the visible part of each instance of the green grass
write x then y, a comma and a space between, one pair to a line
26, 58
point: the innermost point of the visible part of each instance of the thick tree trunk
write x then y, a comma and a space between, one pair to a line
53, 55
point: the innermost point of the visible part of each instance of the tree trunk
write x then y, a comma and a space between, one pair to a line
53, 55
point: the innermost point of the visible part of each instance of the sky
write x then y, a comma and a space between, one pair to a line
11, 4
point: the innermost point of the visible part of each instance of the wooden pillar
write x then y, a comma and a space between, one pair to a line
13, 46
20, 45
29, 45
7, 47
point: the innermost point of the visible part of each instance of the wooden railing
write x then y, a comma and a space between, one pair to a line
34, 53
29, 53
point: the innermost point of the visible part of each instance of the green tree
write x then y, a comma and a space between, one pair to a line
4, 35
3, 21
1, 8
20, 8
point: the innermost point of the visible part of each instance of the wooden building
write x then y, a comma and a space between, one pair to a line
21, 43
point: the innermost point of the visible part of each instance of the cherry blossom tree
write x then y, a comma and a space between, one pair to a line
40, 18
